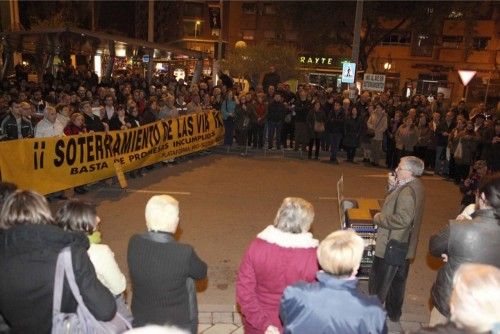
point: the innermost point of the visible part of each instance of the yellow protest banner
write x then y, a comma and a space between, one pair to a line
47, 165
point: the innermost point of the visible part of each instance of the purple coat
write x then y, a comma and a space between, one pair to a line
273, 261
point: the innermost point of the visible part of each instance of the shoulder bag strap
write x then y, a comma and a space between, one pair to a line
70, 276
58, 284
378, 123
414, 196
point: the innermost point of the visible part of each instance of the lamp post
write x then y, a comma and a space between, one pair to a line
151, 33
356, 36
219, 46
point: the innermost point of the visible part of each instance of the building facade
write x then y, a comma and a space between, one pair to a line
413, 62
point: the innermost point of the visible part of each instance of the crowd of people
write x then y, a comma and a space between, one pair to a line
288, 281
449, 137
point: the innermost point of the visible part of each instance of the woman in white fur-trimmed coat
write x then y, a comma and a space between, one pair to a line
281, 255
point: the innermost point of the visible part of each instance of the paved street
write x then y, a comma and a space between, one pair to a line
226, 200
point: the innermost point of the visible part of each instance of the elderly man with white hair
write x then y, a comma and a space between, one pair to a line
162, 270
474, 302
50, 125
397, 235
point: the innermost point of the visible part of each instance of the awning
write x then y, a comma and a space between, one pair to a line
84, 42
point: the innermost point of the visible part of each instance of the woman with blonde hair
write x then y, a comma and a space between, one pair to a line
376, 125
76, 125
406, 138
282, 254
333, 304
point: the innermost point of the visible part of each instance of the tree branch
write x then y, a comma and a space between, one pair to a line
386, 34
343, 40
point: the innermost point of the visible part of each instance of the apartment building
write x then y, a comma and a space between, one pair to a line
428, 64
413, 61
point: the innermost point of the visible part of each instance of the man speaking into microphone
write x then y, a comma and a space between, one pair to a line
397, 235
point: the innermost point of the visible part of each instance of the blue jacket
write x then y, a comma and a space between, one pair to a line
331, 305
227, 108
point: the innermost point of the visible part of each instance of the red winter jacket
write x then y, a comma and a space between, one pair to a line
273, 261
72, 129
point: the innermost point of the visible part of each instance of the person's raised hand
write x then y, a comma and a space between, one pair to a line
272, 330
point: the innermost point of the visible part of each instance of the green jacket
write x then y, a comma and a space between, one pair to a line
402, 208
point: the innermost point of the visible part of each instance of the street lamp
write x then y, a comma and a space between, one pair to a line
388, 63
197, 23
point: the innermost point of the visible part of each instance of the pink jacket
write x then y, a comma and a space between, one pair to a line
273, 261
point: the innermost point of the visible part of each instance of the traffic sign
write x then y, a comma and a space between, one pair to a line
145, 59
348, 72
466, 76
374, 82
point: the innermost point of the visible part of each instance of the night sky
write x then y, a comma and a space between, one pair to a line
115, 15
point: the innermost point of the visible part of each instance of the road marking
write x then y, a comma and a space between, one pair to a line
141, 191
425, 177
336, 198
375, 175
159, 192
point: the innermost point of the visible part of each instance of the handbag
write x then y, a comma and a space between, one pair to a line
457, 155
370, 133
318, 126
246, 123
395, 252
81, 322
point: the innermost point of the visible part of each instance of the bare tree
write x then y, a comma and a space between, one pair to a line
253, 61
321, 24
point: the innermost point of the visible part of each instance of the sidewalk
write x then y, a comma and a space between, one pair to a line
215, 322
224, 319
